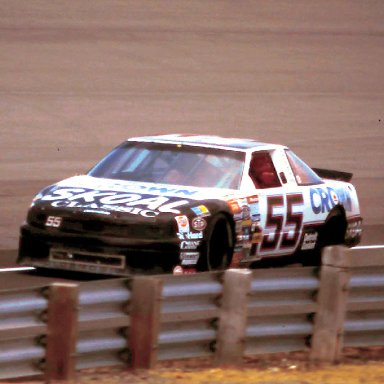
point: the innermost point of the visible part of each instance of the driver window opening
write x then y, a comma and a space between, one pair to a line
263, 172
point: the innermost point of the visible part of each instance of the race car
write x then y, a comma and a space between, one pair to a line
186, 203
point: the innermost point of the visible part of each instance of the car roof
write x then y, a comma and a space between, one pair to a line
211, 141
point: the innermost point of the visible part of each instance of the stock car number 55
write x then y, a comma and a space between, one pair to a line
186, 203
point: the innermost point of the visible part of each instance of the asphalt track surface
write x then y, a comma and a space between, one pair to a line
78, 77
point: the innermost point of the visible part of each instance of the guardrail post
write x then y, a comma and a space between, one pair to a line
62, 332
233, 317
145, 320
327, 340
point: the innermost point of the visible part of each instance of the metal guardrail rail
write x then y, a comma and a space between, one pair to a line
364, 322
103, 323
282, 304
225, 315
190, 309
22, 326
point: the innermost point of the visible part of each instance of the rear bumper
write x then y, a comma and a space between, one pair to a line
96, 254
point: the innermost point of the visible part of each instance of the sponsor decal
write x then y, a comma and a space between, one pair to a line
190, 236
53, 221
246, 225
182, 224
324, 199
334, 197
166, 190
189, 258
189, 271
246, 212
284, 222
247, 218
135, 204
178, 270
309, 241
199, 224
201, 210
189, 245
255, 212
253, 199
234, 206
97, 211
354, 229
345, 198
89, 182
244, 237
245, 208
257, 237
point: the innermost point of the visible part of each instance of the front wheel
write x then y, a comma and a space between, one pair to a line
218, 247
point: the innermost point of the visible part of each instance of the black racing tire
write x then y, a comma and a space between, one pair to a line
332, 233
217, 250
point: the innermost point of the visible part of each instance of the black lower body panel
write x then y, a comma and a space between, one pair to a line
96, 254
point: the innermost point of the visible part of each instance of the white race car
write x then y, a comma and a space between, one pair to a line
187, 203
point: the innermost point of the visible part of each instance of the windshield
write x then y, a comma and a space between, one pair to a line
173, 164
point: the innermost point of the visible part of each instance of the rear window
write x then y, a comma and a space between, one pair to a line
304, 175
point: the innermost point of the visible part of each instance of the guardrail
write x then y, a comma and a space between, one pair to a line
135, 322
21, 326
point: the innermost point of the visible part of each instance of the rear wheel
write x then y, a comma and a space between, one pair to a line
333, 233
218, 248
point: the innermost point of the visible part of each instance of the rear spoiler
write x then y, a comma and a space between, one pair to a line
333, 175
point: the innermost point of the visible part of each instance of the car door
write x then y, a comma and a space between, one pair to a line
281, 204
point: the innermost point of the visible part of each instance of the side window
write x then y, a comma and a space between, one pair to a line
262, 171
303, 173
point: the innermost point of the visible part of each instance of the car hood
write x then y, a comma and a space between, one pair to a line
125, 197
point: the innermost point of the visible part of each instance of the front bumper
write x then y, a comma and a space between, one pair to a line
51, 248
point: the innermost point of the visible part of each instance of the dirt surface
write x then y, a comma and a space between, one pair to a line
359, 366
78, 77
